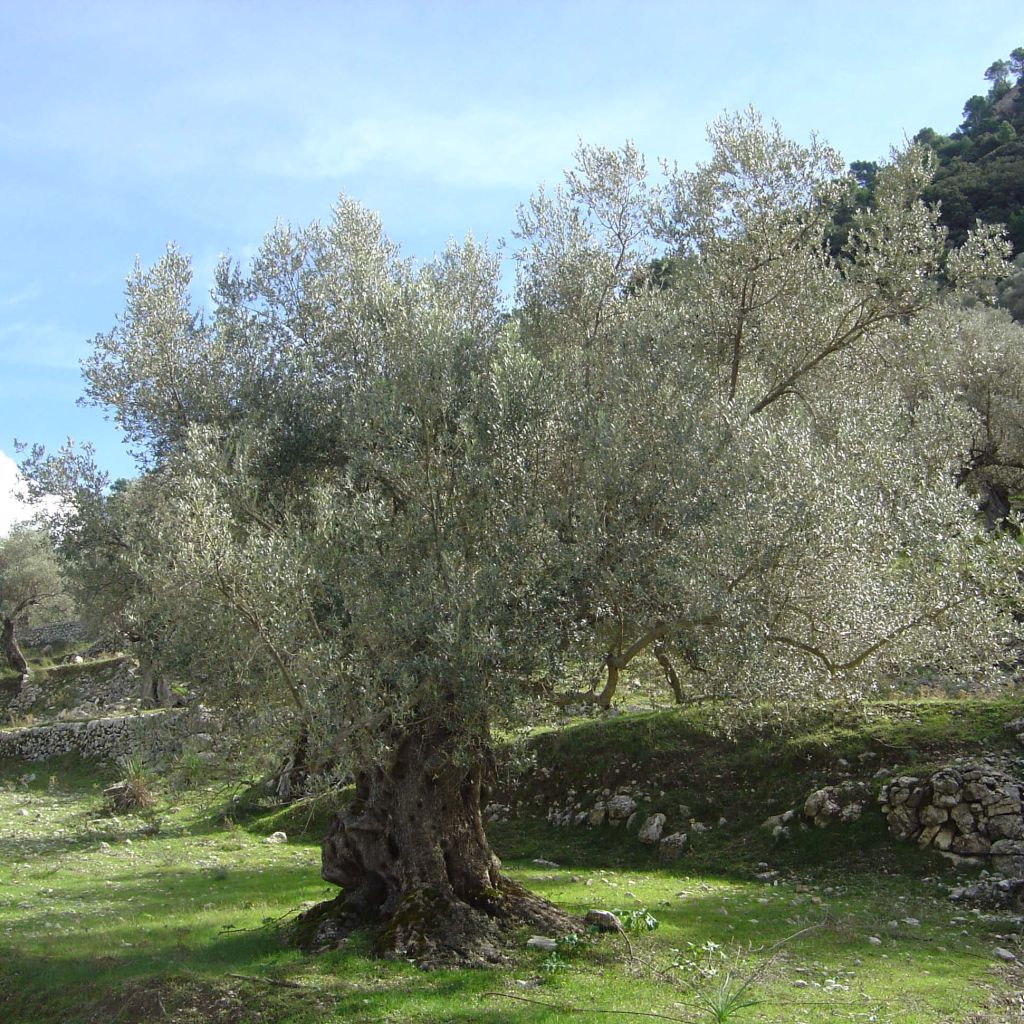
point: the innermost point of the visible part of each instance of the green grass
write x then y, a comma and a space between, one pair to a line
154, 917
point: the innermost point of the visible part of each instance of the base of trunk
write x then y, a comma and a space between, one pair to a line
433, 932
415, 867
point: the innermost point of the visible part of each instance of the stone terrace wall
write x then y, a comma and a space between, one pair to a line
154, 735
51, 633
971, 811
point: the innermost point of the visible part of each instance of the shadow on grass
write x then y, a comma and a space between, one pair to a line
183, 932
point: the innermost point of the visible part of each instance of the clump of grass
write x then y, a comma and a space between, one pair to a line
190, 771
134, 792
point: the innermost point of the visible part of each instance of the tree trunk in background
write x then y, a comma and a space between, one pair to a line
289, 781
147, 674
414, 863
671, 676
156, 689
11, 649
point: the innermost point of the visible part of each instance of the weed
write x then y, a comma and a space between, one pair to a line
636, 922
190, 771
720, 1003
553, 963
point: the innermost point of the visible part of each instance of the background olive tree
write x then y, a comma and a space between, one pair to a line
374, 499
31, 587
766, 448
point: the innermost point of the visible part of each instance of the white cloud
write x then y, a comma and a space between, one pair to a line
12, 507
481, 148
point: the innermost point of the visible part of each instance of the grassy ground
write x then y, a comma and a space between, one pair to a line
177, 915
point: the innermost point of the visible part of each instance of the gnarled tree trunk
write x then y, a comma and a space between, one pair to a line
414, 864
11, 649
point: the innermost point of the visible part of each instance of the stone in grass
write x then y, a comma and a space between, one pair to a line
603, 920
541, 942
672, 847
277, 837
620, 807
651, 829
1004, 954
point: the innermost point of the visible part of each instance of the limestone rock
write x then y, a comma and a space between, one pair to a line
1008, 847
1006, 826
962, 818
971, 845
843, 803
932, 815
651, 829
277, 837
672, 847
620, 807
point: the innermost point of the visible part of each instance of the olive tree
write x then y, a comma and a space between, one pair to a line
760, 442
30, 583
377, 499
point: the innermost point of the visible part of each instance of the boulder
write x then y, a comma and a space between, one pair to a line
620, 807
651, 829
672, 847
603, 920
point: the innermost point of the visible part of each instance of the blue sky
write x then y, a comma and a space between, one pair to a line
128, 125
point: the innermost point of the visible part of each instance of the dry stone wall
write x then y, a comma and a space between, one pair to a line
153, 735
969, 811
93, 710
51, 634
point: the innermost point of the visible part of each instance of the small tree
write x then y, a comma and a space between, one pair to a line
1016, 62
998, 73
31, 584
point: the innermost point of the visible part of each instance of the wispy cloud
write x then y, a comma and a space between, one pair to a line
474, 148
43, 345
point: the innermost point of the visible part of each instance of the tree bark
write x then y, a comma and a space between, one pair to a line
289, 781
156, 690
11, 649
671, 676
414, 864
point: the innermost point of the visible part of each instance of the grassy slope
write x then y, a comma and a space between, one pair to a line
96, 928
